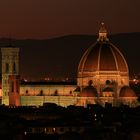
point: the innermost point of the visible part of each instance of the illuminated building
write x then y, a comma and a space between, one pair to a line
10, 76
106, 67
103, 76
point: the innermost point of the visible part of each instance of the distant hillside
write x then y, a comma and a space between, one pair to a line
59, 57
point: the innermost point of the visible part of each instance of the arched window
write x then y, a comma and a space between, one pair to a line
41, 92
90, 82
27, 92
56, 92
6, 67
70, 92
108, 82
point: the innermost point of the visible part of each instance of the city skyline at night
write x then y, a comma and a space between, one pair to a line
70, 69
102, 76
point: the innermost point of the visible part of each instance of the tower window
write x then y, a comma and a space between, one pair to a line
6, 67
14, 67
17, 86
12, 87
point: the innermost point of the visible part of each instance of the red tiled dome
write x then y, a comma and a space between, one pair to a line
89, 91
102, 56
126, 91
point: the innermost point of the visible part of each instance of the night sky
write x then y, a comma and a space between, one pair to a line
41, 19
46, 19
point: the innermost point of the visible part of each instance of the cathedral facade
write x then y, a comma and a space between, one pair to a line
103, 77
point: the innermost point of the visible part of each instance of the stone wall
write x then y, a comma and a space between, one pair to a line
39, 100
34, 90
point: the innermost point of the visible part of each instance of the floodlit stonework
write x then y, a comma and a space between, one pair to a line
102, 63
10, 66
103, 77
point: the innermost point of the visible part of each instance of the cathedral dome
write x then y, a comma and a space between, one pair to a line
126, 91
102, 56
89, 91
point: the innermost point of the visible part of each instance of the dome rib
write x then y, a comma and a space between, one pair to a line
115, 58
115, 48
99, 58
107, 62
84, 57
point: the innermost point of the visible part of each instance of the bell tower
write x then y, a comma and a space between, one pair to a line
10, 68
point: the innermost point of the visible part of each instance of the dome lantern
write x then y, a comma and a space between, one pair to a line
102, 33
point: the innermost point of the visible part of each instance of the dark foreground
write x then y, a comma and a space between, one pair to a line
71, 123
